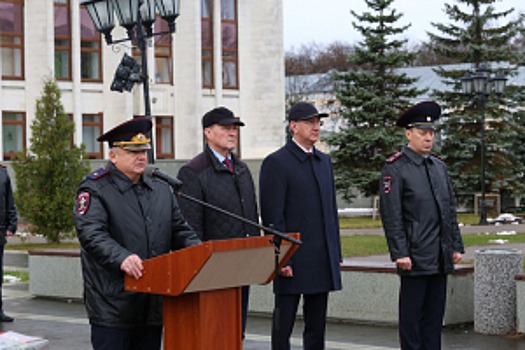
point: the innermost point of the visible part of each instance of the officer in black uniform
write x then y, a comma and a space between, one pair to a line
418, 211
122, 218
8, 225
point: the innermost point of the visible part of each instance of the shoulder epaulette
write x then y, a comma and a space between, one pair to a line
438, 157
394, 157
97, 174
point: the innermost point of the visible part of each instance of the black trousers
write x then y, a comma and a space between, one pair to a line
1, 276
314, 312
141, 338
245, 296
421, 310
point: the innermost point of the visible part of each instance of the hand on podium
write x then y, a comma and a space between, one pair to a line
132, 265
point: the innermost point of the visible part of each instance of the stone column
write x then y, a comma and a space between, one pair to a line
495, 290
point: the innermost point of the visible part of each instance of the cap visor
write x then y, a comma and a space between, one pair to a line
306, 117
142, 147
230, 122
422, 126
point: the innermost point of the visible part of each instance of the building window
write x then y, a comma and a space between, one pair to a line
90, 49
164, 137
62, 40
12, 38
13, 133
229, 44
91, 130
207, 43
163, 53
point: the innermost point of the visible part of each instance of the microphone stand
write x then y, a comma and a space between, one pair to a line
240, 218
277, 236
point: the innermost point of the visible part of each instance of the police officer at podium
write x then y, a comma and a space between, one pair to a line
122, 218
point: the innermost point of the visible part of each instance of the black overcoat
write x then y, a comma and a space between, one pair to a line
8, 212
206, 179
297, 194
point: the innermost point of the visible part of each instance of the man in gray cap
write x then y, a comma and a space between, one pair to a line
297, 194
218, 177
418, 211
122, 218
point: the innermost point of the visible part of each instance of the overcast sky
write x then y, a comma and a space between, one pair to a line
326, 21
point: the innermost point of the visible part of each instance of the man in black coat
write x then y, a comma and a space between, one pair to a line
8, 225
122, 218
297, 194
418, 211
218, 177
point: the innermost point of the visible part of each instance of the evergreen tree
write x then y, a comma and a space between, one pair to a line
48, 174
477, 37
372, 97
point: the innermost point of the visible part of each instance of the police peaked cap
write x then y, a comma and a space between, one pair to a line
422, 115
130, 135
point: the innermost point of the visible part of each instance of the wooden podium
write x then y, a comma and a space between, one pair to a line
201, 288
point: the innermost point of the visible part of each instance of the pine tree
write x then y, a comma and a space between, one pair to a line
372, 97
48, 174
477, 37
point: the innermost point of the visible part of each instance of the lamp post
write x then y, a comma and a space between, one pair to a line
479, 85
137, 17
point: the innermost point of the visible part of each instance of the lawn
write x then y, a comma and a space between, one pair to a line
368, 222
363, 245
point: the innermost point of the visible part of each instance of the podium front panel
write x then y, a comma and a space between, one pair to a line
226, 269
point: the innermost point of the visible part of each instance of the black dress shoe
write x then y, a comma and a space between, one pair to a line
5, 318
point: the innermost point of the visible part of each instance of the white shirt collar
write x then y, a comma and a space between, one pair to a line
219, 156
311, 150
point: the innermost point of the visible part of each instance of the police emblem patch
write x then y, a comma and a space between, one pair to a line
387, 184
82, 203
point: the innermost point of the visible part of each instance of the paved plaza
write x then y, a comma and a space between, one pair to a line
65, 326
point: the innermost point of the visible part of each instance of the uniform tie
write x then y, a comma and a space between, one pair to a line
228, 164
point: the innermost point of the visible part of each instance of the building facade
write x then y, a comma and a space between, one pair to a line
224, 53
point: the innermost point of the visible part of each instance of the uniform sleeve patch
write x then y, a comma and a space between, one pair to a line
82, 203
387, 184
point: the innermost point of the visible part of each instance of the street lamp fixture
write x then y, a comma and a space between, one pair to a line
130, 13
137, 17
480, 84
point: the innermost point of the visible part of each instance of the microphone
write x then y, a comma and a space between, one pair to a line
152, 171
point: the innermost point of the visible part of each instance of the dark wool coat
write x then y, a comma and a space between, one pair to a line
8, 213
297, 194
418, 211
206, 179
114, 219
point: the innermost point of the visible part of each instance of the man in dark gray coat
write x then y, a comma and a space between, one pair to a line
297, 194
122, 218
218, 177
418, 211
8, 225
